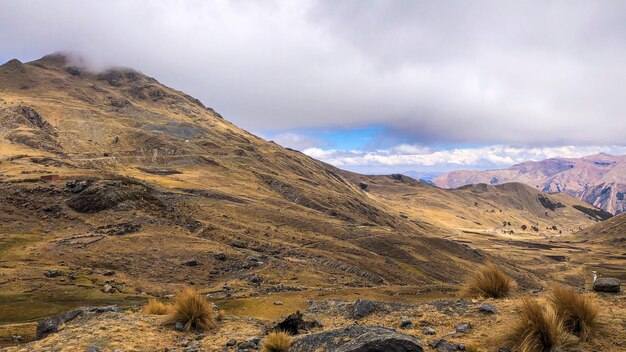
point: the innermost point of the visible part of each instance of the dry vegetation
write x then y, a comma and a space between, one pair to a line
156, 308
537, 329
276, 341
192, 310
579, 313
489, 281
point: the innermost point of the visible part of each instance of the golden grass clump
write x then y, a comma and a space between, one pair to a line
536, 329
276, 341
489, 282
157, 308
580, 313
221, 315
192, 310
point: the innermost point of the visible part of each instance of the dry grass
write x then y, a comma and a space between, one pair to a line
157, 308
193, 310
276, 341
536, 329
580, 313
488, 281
221, 315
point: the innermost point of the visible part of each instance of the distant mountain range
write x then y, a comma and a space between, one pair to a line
598, 179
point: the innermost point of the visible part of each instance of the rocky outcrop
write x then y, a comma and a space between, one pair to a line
357, 339
51, 325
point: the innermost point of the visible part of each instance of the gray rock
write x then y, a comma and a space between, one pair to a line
406, 323
53, 273
114, 309
200, 336
357, 339
607, 284
463, 327
487, 308
179, 326
444, 346
93, 348
429, 331
51, 325
231, 342
190, 262
252, 344
278, 303
108, 273
362, 308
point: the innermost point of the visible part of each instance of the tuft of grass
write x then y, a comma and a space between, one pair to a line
276, 341
192, 310
580, 313
157, 308
489, 282
221, 315
471, 348
536, 329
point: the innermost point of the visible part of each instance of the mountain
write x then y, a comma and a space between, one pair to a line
599, 179
113, 171
115, 188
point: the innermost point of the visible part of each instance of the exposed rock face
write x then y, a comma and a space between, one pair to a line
607, 284
597, 179
357, 339
362, 308
51, 325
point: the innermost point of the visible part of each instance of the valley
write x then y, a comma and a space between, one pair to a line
115, 189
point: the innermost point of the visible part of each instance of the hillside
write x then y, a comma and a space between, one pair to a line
612, 231
149, 178
115, 188
599, 179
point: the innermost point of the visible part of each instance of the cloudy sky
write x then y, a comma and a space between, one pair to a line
373, 86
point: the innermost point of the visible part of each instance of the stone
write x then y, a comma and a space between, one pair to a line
406, 323
93, 348
53, 273
108, 273
362, 308
607, 284
251, 344
200, 336
487, 308
114, 309
190, 262
463, 327
51, 325
357, 338
179, 326
108, 289
231, 342
429, 331
443, 345
278, 303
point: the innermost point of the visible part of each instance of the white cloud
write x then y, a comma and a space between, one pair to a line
525, 72
406, 157
296, 141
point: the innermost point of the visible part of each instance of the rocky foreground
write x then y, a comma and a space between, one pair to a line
331, 325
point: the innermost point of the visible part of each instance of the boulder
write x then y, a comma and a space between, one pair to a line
53, 273
463, 327
607, 284
406, 323
487, 308
357, 339
190, 262
362, 308
295, 324
443, 345
51, 325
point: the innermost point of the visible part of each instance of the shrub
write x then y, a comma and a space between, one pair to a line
276, 341
580, 313
157, 308
489, 281
536, 329
192, 310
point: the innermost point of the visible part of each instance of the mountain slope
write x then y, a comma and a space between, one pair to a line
164, 192
599, 179
612, 231
503, 208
